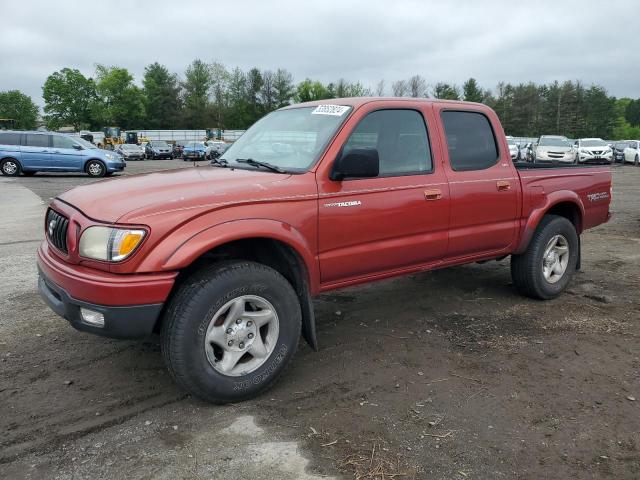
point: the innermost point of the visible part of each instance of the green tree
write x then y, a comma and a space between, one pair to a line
284, 88
255, 83
162, 97
472, 92
446, 91
121, 101
19, 107
69, 99
309, 90
196, 87
632, 113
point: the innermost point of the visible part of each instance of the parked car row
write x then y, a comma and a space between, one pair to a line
159, 149
560, 149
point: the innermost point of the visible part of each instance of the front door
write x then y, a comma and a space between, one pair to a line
394, 221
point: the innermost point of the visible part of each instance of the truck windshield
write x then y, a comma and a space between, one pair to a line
291, 139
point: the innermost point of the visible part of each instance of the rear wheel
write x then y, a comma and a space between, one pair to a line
545, 269
636, 162
10, 167
95, 168
230, 331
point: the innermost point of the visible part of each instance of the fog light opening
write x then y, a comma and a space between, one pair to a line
92, 318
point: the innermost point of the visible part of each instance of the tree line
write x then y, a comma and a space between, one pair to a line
211, 95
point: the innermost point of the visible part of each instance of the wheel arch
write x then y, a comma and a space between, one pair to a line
562, 204
288, 255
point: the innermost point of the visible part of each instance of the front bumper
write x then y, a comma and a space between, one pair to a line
588, 158
115, 166
131, 304
161, 155
135, 321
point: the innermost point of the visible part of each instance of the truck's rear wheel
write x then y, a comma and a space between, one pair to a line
230, 331
545, 269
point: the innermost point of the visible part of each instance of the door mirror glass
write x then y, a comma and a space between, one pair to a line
357, 163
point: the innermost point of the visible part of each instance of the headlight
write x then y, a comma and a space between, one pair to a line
109, 244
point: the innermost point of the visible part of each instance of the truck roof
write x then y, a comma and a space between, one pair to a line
359, 101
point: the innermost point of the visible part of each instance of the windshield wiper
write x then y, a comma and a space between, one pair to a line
258, 163
218, 161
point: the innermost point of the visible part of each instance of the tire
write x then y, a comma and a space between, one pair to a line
528, 269
202, 302
10, 167
95, 168
29, 173
636, 162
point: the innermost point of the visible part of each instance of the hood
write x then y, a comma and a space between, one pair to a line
547, 148
600, 148
133, 197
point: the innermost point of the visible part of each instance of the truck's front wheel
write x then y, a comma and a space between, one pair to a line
230, 330
545, 269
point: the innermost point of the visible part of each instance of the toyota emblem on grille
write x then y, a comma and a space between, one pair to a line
52, 226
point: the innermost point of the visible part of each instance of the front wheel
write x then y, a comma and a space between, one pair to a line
545, 269
230, 331
636, 162
95, 168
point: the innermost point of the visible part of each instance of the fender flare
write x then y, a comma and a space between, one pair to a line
536, 215
217, 235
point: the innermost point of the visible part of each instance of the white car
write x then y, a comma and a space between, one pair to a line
217, 146
632, 152
553, 148
593, 150
513, 148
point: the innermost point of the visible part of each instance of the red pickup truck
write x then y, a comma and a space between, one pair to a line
224, 260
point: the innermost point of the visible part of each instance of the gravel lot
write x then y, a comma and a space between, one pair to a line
443, 375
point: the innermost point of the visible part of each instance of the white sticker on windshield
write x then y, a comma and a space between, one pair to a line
336, 110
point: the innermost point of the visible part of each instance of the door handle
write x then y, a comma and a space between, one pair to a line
503, 185
433, 194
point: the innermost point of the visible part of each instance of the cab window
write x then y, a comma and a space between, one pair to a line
470, 140
400, 136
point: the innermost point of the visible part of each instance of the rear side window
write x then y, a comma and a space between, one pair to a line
9, 139
62, 142
34, 140
400, 136
472, 144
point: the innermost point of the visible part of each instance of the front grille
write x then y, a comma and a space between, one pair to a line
57, 230
597, 152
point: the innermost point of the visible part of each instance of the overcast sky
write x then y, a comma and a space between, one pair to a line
491, 40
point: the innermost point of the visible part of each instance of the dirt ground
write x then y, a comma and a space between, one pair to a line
442, 375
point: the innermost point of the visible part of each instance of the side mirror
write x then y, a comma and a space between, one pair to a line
356, 163
78, 147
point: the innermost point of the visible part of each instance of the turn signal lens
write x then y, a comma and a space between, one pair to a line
124, 242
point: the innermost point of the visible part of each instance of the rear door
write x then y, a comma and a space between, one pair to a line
398, 220
36, 151
64, 155
483, 182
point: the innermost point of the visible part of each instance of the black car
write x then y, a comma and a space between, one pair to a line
156, 149
618, 151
